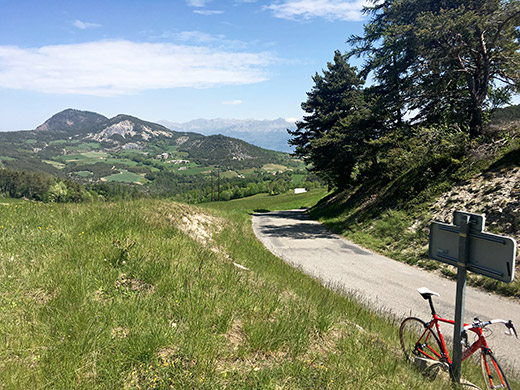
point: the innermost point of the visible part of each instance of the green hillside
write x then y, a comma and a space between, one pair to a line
154, 295
393, 216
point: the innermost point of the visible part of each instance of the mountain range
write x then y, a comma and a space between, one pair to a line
268, 134
87, 146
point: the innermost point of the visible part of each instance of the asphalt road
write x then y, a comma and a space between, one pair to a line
380, 282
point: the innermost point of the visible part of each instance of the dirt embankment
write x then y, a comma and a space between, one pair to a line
496, 194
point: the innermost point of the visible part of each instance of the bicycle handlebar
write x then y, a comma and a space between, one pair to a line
480, 324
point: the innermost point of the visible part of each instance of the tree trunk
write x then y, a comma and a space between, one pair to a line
476, 122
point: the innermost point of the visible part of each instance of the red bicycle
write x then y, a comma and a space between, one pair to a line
424, 340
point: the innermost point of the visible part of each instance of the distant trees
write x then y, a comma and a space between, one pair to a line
20, 184
436, 67
187, 188
42, 187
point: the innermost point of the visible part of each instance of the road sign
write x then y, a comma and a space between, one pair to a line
490, 255
466, 246
477, 221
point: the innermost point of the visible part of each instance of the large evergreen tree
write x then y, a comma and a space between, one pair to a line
331, 138
441, 58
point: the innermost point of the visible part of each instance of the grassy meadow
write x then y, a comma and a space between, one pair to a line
152, 294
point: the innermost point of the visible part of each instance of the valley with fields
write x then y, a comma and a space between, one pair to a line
92, 150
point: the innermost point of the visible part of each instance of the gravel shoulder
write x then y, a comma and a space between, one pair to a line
382, 283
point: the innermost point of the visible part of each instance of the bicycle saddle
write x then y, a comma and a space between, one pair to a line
426, 293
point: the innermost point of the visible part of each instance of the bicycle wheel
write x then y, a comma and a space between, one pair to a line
418, 341
493, 375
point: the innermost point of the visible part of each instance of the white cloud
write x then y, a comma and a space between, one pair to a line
208, 12
232, 102
106, 68
199, 37
85, 25
327, 9
197, 3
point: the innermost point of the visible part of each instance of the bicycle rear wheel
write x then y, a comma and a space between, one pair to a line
494, 376
418, 341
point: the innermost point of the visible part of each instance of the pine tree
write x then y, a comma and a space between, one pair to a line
331, 138
441, 58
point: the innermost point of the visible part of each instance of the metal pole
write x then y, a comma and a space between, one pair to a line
212, 186
218, 173
460, 298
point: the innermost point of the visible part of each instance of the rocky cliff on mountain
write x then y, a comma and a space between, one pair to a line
128, 127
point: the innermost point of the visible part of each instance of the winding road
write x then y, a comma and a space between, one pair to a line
380, 282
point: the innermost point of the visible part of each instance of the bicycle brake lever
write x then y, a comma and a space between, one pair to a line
511, 329
464, 339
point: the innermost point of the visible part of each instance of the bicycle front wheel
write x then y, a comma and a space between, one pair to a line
494, 376
418, 341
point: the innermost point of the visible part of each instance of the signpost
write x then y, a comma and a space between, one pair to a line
466, 246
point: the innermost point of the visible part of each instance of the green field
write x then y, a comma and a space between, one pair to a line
298, 179
83, 173
113, 161
55, 164
58, 142
248, 172
228, 174
274, 167
125, 177
85, 158
192, 169
148, 295
83, 146
94, 157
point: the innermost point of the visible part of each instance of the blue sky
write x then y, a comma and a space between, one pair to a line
173, 60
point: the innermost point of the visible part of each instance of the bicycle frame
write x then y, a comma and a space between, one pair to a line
431, 344
480, 343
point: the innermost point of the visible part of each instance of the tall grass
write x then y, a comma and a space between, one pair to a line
147, 294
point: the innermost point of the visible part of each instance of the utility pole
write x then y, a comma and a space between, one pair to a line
460, 300
212, 185
218, 172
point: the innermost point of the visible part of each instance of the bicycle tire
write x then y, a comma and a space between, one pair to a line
494, 376
417, 341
